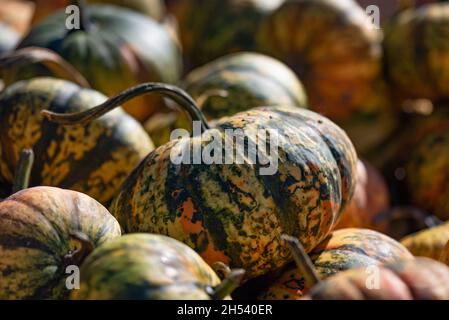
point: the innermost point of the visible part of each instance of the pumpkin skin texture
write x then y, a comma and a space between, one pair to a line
93, 159
145, 267
232, 30
419, 279
232, 84
332, 48
231, 213
342, 250
36, 227
417, 54
115, 52
152, 8
428, 243
370, 198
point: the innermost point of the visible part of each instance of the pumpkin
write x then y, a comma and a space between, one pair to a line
427, 175
332, 48
232, 84
152, 8
417, 53
235, 213
342, 250
8, 38
24, 64
115, 48
428, 243
44, 230
17, 14
419, 279
445, 254
149, 267
93, 159
370, 199
231, 30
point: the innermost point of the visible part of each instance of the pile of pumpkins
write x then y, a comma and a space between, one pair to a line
88, 183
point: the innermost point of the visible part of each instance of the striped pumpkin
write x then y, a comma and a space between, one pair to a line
93, 159
417, 54
145, 267
231, 30
114, 49
342, 250
419, 279
231, 84
43, 231
428, 243
235, 213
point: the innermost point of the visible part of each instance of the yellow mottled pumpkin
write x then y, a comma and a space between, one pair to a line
235, 213
428, 243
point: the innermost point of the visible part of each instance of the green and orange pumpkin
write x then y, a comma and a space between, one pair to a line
236, 213
342, 250
44, 230
93, 159
229, 85
114, 49
150, 267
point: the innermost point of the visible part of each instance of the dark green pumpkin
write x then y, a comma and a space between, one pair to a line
43, 231
145, 267
417, 52
342, 250
229, 85
93, 159
233, 213
116, 48
213, 28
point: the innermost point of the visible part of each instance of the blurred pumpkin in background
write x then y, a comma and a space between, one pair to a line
231, 84
337, 53
231, 29
114, 48
93, 159
371, 197
17, 14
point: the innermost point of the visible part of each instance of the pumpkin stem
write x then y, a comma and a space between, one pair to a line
303, 261
85, 23
173, 92
23, 170
12, 63
84, 248
228, 285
